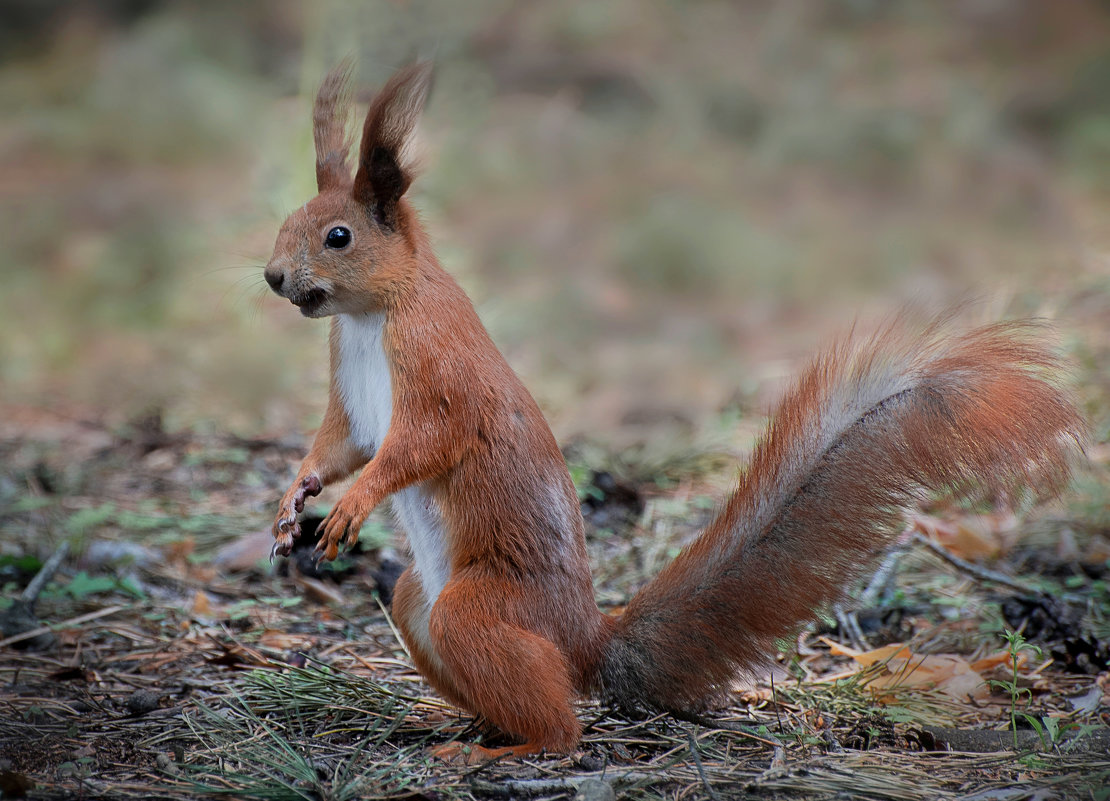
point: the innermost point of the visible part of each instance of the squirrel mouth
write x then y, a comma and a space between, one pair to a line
310, 302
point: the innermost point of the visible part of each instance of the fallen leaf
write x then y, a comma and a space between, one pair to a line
947, 673
902, 669
868, 658
181, 550
284, 641
237, 655
974, 539
1098, 552
970, 537
318, 591
203, 606
245, 552
1088, 702
988, 663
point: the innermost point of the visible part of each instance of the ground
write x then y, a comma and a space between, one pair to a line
181, 663
661, 211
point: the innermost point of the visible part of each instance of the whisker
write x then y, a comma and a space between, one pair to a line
255, 266
259, 300
238, 289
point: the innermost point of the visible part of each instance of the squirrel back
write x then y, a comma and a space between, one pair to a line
865, 430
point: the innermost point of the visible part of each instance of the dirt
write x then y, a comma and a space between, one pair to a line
115, 707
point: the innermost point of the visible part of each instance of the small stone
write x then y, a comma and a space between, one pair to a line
110, 553
141, 702
595, 790
591, 763
160, 461
166, 763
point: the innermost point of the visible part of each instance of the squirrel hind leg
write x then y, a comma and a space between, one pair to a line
513, 678
411, 614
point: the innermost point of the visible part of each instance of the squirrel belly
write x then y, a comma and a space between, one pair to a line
498, 609
364, 383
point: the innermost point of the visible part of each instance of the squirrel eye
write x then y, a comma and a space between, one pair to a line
338, 237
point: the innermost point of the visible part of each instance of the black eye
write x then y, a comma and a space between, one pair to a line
338, 237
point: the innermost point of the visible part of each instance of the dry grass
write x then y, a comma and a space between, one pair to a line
171, 678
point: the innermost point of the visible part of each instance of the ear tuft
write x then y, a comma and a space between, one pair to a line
386, 162
329, 127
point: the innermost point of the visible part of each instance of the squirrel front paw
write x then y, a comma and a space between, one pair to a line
342, 525
286, 527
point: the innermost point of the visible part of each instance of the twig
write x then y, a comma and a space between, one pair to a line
602, 715
701, 768
46, 572
777, 767
881, 577
726, 725
531, 787
775, 699
26, 635
392, 626
847, 618
849, 624
981, 573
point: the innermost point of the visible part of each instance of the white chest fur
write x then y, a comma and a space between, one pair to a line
366, 389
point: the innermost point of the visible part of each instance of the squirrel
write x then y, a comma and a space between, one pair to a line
497, 609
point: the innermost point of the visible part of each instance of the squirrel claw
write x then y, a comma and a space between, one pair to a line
325, 552
341, 527
283, 545
351, 539
286, 527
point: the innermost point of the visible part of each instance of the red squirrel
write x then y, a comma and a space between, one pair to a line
497, 609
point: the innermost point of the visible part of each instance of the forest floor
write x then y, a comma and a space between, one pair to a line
167, 658
659, 209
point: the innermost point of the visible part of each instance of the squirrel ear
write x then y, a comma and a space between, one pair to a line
386, 165
329, 127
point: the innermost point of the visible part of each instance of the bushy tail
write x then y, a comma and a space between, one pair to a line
867, 429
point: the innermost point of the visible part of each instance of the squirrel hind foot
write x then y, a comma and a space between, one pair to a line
469, 754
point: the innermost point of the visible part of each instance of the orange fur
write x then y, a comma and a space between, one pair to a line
498, 609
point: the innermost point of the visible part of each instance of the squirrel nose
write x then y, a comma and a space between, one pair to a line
275, 276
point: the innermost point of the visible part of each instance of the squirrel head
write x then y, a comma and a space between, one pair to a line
350, 248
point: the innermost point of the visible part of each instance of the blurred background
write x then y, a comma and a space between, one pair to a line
660, 209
